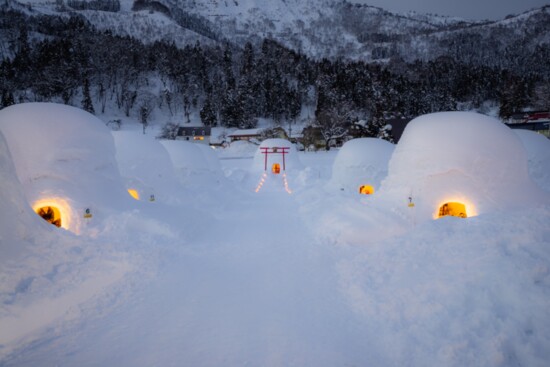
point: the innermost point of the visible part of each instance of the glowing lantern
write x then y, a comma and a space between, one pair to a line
134, 193
366, 190
276, 168
453, 209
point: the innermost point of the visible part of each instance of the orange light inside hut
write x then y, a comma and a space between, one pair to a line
366, 190
134, 193
453, 209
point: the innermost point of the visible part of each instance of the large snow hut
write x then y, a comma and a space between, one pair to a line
65, 160
458, 164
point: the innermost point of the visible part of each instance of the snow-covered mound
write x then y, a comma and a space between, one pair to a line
145, 166
275, 156
191, 165
65, 160
538, 154
361, 163
459, 157
239, 149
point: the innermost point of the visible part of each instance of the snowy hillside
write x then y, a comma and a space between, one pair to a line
326, 28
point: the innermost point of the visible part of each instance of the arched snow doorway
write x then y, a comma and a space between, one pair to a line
50, 214
453, 209
366, 190
276, 168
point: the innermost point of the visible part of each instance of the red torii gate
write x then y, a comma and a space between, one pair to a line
274, 150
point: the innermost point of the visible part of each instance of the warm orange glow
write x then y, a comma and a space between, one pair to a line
50, 214
276, 168
134, 193
453, 209
55, 210
366, 190
198, 138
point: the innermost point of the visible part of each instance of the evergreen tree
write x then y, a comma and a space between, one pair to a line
7, 99
87, 104
207, 113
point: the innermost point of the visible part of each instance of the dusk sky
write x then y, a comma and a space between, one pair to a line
468, 9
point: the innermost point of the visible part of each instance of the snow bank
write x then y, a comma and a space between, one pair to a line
537, 147
456, 293
361, 162
64, 158
145, 166
458, 157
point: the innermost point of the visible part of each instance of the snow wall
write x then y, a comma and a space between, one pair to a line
537, 147
361, 162
16, 217
145, 166
460, 157
64, 157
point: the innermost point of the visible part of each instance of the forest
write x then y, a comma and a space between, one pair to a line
65, 59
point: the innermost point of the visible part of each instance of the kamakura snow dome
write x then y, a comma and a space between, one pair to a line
460, 164
194, 165
146, 167
276, 156
65, 160
361, 165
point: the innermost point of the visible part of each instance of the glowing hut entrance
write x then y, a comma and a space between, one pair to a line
134, 193
366, 190
453, 209
50, 214
276, 168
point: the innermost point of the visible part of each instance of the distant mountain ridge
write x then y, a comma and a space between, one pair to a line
333, 29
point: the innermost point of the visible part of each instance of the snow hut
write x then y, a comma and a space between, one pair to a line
273, 159
537, 147
459, 164
65, 160
361, 165
276, 156
145, 166
192, 166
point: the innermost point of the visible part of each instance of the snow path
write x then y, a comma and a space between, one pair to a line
240, 296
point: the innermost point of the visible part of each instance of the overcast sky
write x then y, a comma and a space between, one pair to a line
468, 9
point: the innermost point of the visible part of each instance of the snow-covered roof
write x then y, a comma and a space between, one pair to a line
459, 157
360, 162
537, 147
64, 154
246, 132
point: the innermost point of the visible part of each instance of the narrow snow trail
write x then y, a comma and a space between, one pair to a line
255, 290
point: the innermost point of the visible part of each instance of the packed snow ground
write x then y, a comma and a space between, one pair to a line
230, 277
